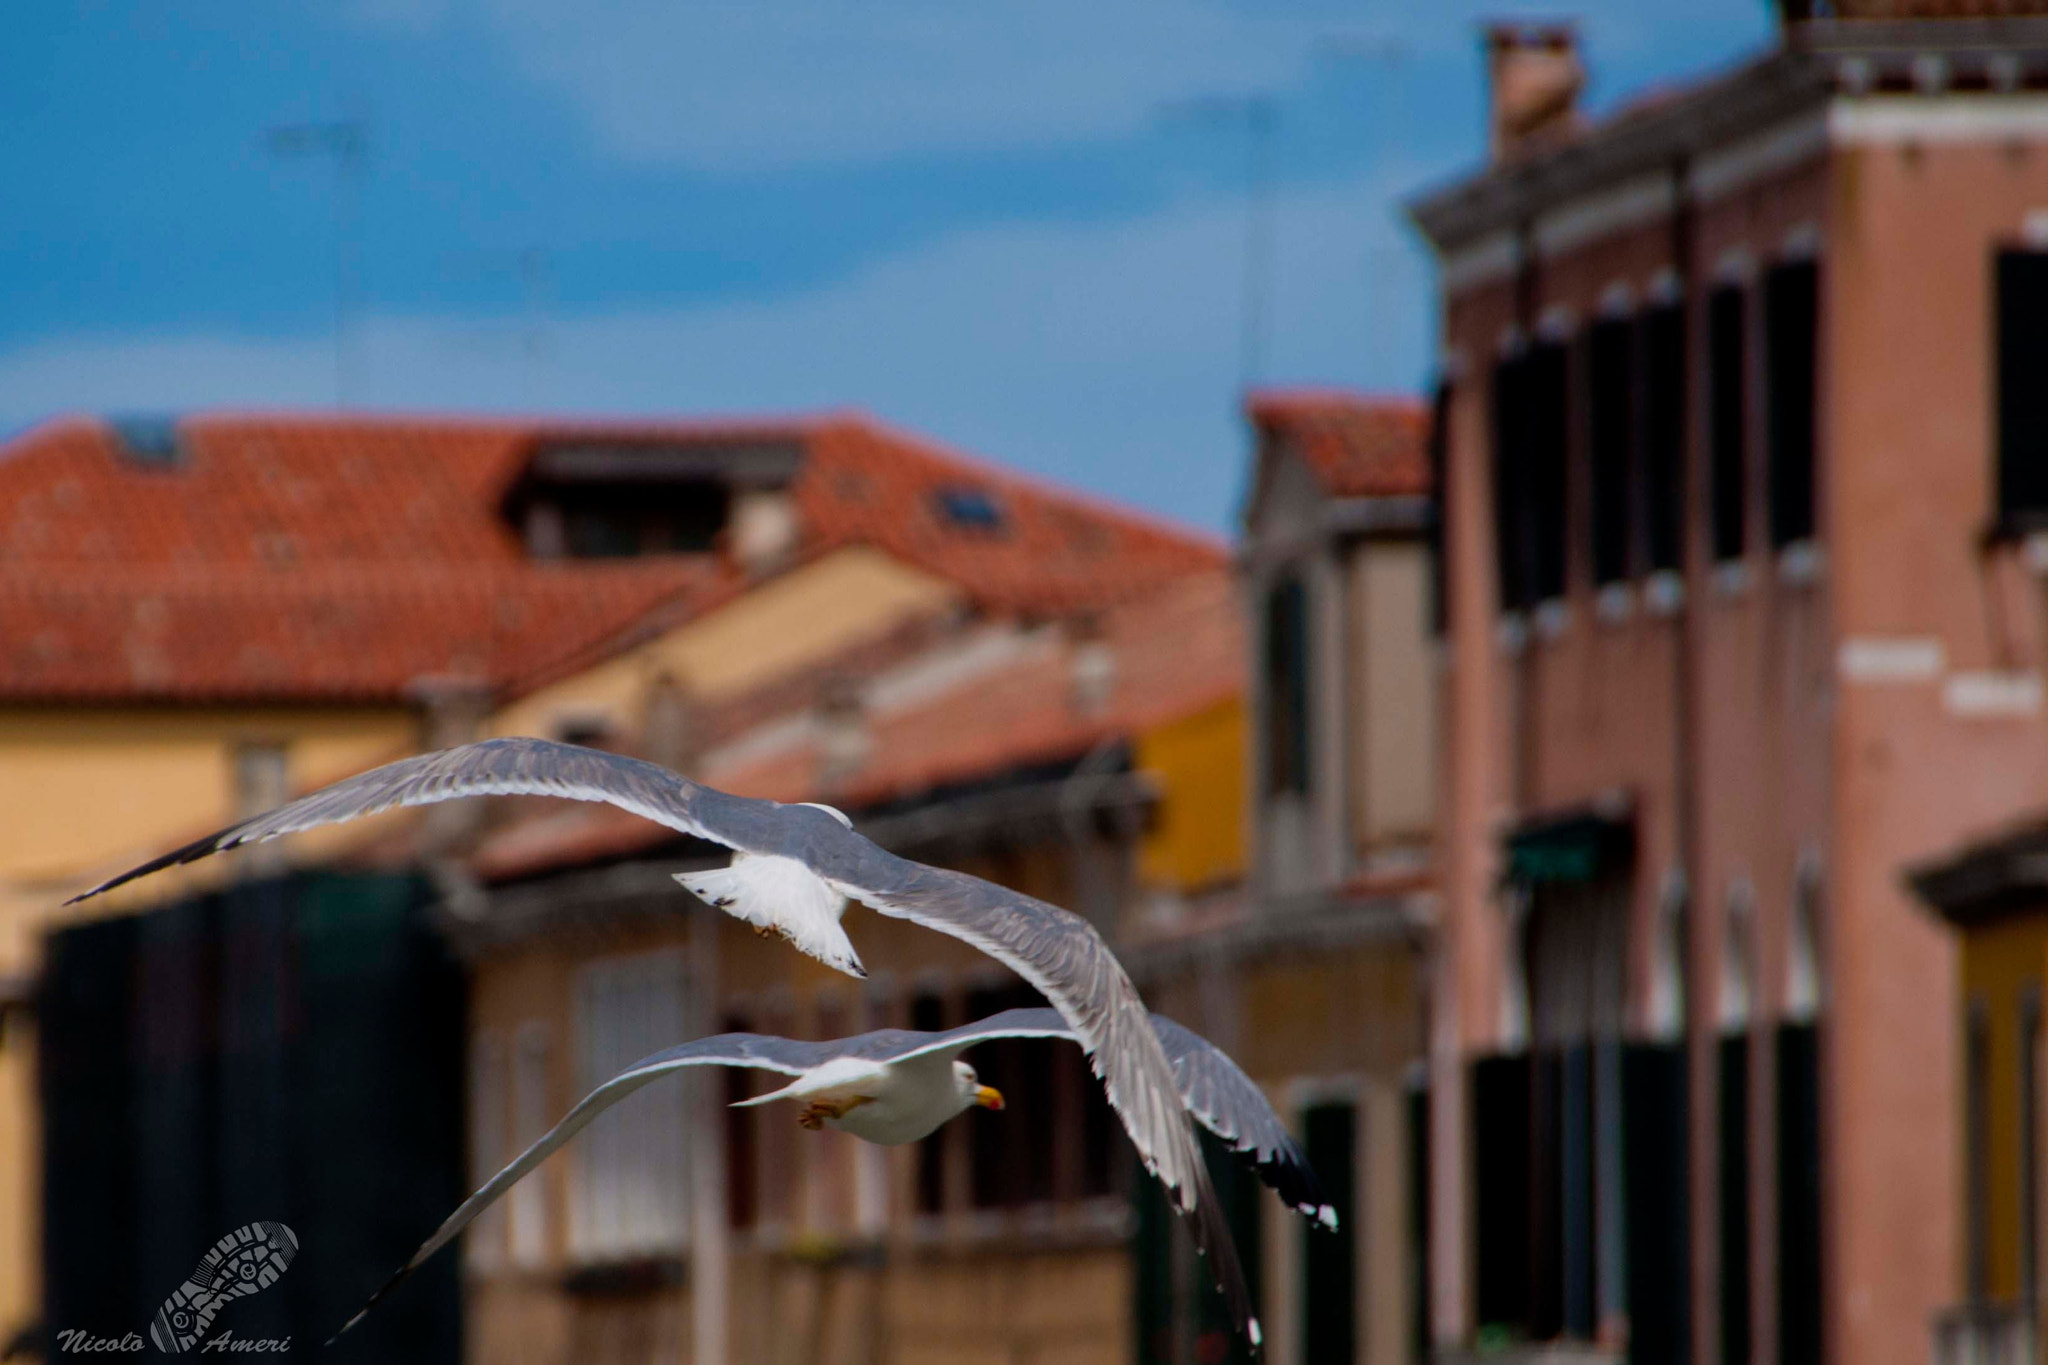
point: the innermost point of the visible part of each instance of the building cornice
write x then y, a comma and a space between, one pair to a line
1834, 83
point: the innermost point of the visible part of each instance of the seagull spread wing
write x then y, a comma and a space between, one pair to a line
1215, 1091
1212, 1087
1057, 951
491, 767
1061, 954
787, 1055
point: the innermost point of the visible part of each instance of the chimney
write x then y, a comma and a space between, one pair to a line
763, 529
670, 725
1533, 79
844, 741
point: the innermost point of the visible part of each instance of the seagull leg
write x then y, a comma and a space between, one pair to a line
817, 1111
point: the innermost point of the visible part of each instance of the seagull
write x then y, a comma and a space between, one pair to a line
896, 1085
794, 869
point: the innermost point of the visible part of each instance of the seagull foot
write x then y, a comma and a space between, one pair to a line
817, 1111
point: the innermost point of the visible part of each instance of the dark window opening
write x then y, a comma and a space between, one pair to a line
1419, 1334
1549, 412
1734, 1196
1012, 1152
2022, 326
1799, 1228
1510, 470
1329, 1269
619, 521
740, 1164
1727, 418
1664, 388
1502, 1160
1439, 521
1287, 746
1791, 335
2030, 1171
1977, 1152
1658, 1205
1610, 433
928, 1015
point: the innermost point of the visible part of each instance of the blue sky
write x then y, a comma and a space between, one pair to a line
1017, 227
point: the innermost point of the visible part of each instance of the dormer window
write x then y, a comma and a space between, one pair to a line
592, 499
1287, 746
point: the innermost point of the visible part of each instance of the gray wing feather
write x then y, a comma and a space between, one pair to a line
497, 767
1056, 951
1212, 1087
1061, 954
761, 1051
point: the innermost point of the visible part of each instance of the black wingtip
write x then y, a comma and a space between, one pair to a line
370, 1303
190, 853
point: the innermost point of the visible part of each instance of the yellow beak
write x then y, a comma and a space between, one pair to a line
988, 1097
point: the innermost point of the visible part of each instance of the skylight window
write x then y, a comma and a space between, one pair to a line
973, 508
149, 438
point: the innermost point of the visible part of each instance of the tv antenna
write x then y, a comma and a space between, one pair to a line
346, 143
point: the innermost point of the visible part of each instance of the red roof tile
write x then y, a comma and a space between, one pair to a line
311, 556
1356, 445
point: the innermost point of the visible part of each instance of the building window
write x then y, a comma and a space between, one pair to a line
1733, 1137
1727, 417
1510, 470
1439, 521
631, 1164
928, 1015
1287, 692
1800, 1328
1611, 435
742, 1165
1791, 335
1664, 369
1977, 1136
484, 1243
1329, 1271
619, 521
2030, 1170
1549, 447
262, 777
1012, 1157
529, 1203
2022, 326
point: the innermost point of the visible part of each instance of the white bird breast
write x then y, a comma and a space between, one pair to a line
782, 896
906, 1100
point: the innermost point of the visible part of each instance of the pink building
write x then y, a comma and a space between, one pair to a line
1744, 434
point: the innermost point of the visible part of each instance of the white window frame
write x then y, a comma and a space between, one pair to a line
630, 1191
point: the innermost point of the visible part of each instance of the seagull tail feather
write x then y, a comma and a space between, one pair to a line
783, 897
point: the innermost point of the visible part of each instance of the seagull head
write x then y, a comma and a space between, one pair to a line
972, 1091
833, 811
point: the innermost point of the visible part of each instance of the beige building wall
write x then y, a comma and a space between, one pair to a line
85, 791
1393, 701
779, 627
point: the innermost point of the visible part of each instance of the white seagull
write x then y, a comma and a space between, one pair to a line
895, 1085
793, 870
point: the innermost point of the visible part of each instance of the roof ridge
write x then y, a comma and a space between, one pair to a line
1039, 485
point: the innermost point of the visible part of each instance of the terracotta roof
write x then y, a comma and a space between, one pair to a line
346, 633
331, 556
1357, 445
1175, 652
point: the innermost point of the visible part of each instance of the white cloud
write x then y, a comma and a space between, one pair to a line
1105, 355
752, 85
742, 84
